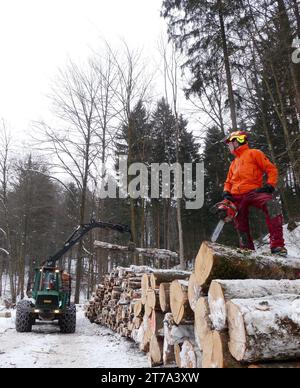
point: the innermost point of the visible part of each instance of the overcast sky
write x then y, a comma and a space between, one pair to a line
37, 37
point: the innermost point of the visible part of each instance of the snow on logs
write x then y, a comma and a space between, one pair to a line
216, 261
265, 329
221, 291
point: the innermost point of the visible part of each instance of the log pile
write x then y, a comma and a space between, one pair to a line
136, 302
234, 311
251, 316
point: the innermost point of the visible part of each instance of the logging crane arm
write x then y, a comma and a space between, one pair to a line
79, 233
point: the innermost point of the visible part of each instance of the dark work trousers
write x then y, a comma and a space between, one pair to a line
272, 211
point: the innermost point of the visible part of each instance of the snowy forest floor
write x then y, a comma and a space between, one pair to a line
90, 347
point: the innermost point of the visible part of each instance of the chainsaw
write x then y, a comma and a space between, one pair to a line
227, 212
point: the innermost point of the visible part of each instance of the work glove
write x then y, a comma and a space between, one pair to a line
221, 214
269, 189
228, 196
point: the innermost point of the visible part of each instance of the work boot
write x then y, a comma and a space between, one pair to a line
280, 251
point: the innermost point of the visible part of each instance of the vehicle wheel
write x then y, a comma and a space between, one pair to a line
24, 317
67, 321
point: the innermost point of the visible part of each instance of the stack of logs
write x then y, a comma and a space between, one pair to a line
215, 317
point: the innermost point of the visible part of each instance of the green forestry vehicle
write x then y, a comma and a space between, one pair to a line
51, 291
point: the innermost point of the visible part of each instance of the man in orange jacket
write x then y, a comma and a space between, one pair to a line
245, 187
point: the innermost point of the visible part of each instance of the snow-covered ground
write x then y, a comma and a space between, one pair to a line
292, 240
90, 347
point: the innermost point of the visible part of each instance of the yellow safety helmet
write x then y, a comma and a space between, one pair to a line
240, 136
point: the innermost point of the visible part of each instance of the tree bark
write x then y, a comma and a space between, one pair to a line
153, 253
297, 15
265, 329
268, 137
287, 36
167, 276
222, 291
168, 350
188, 355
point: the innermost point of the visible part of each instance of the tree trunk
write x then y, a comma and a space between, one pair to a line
216, 261
297, 15
143, 226
157, 225
287, 37
265, 329
180, 234
165, 223
270, 143
11, 271
79, 266
152, 253
282, 116
222, 291
1, 275
227, 67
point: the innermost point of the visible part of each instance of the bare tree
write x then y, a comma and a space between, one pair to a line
105, 102
171, 68
74, 143
5, 176
133, 86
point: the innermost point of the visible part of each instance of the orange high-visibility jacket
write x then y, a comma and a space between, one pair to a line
247, 171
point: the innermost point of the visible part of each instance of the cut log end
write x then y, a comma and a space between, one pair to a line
156, 350
145, 287
151, 299
216, 354
237, 343
164, 297
204, 264
180, 307
203, 324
